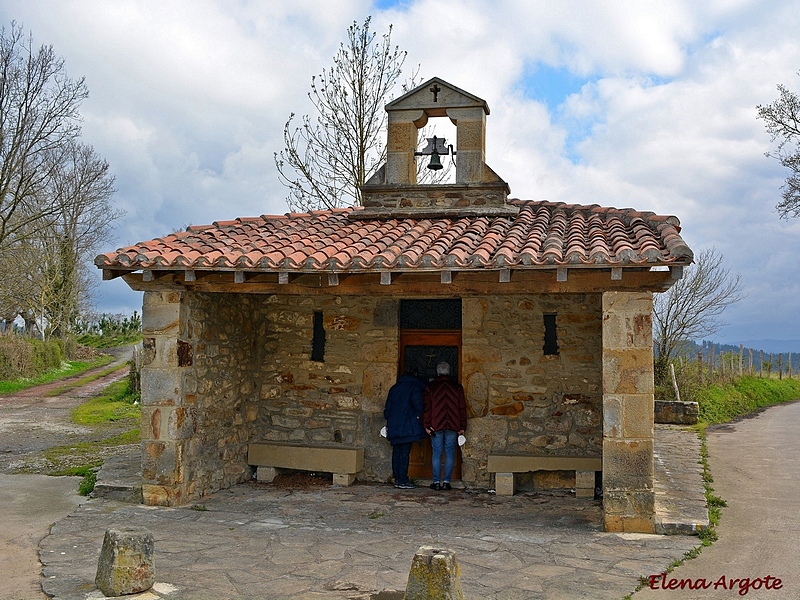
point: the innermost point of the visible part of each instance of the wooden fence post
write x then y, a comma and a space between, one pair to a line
674, 382
741, 358
700, 366
711, 365
760, 363
750, 368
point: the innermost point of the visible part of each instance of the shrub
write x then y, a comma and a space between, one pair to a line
25, 357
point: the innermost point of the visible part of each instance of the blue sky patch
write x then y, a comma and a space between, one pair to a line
387, 4
552, 85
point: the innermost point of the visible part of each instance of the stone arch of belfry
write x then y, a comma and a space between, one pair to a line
437, 98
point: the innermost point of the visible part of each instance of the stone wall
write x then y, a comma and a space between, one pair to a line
242, 372
253, 378
521, 400
439, 196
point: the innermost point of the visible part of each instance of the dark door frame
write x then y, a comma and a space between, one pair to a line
420, 465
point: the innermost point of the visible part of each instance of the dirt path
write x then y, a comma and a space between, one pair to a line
32, 421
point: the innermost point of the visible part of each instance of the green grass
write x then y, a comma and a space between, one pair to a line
115, 403
723, 403
67, 369
109, 341
74, 459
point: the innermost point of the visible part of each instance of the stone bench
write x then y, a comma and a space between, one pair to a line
343, 461
505, 465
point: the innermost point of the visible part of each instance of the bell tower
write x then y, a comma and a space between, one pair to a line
394, 190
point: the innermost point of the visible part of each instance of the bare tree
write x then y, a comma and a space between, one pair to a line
38, 117
82, 186
690, 309
58, 282
327, 158
54, 192
782, 119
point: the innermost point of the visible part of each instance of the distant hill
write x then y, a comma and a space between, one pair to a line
773, 345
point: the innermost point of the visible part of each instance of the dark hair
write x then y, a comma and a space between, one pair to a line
410, 369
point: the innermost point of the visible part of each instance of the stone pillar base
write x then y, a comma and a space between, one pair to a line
622, 524
343, 479
504, 484
584, 484
266, 474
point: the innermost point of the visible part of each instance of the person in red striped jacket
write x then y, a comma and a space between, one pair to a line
444, 418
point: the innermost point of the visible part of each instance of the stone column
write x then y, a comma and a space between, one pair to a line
628, 496
471, 147
401, 166
167, 423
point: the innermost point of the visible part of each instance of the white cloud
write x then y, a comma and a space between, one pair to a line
189, 98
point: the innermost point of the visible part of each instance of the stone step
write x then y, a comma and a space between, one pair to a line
120, 477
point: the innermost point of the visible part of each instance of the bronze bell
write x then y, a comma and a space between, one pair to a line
436, 163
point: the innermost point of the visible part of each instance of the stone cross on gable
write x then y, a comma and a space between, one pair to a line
435, 89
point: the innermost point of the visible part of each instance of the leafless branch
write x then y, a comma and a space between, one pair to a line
691, 308
782, 120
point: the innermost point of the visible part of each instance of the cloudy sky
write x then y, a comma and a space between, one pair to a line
649, 104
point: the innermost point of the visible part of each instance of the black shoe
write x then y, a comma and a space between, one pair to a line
435, 486
446, 486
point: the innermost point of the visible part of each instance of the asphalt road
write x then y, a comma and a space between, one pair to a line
756, 467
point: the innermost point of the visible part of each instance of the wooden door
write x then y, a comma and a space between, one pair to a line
424, 349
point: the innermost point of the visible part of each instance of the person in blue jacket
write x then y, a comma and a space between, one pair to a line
403, 414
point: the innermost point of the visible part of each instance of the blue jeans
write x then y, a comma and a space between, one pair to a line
446, 439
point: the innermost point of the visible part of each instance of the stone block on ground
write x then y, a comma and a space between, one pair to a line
434, 575
344, 479
676, 413
584, 484
127, 562
266, 474
504, 484
120, 477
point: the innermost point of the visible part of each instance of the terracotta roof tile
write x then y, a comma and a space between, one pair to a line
543, 234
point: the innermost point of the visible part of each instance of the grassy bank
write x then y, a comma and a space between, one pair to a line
67, 369
115, 403
113, 340
720, 403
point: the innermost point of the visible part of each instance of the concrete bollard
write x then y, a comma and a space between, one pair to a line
127, 562
434, 575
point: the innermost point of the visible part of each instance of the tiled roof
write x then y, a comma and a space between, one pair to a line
542, 235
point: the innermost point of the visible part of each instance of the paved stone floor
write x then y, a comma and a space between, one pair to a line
680, 500
262, 541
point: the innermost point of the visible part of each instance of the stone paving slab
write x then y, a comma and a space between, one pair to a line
680, 497
260, 541
357, 543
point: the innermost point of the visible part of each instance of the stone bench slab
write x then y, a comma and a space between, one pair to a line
522, 463
505, 465
304, 457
